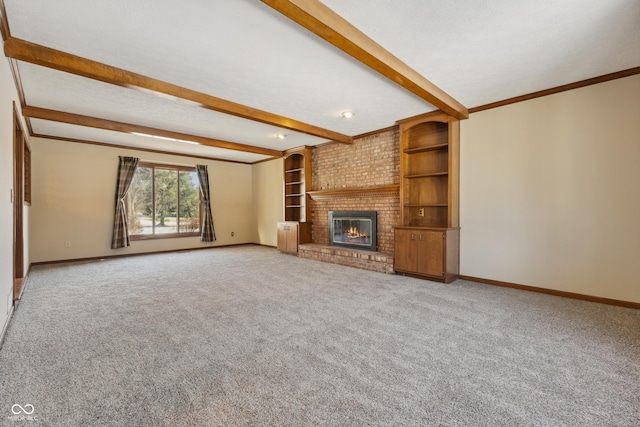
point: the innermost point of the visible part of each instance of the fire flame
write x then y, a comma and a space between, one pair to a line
354, 232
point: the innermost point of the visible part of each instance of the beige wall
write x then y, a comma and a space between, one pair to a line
268, 200
73, 200
550, 192
8, 95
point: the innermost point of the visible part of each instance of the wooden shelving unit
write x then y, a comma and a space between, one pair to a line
427, 241
296, 227
297, 180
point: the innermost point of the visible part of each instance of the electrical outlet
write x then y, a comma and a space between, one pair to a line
67, 243
233, 233
421, 211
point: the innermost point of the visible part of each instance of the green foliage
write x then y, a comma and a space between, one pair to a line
189, 195
166, 189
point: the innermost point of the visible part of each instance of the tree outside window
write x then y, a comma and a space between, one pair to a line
164, 201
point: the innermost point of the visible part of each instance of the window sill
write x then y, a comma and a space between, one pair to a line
137, 237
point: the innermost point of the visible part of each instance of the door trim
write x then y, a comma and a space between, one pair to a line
18, 205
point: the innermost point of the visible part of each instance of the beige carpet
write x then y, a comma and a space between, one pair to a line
248, 336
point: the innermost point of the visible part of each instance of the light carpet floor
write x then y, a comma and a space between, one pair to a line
249, 336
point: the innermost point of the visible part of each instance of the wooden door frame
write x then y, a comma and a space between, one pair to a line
18, 205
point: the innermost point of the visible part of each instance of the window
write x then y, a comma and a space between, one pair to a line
164, 201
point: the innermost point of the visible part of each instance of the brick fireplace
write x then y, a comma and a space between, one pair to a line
362, 176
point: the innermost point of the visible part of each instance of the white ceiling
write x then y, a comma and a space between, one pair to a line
243, 51
486, 51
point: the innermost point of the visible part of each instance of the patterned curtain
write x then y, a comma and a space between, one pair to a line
208, 233
126, 170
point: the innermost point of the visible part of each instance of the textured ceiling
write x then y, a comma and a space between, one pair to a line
56, 90
487, 51
82, 133
244, 51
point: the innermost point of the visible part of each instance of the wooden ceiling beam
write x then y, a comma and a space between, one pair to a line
325, 23
4, 24
41, 55
146, 150
93, 122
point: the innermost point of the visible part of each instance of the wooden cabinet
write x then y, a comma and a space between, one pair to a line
427, 252
291, 234
427, 240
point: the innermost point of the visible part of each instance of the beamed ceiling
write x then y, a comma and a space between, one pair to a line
230, 75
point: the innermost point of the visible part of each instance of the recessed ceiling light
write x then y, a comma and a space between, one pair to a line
348, 114
281, 135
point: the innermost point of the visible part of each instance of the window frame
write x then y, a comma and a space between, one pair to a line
178, 168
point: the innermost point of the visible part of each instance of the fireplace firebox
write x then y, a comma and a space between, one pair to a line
354, 229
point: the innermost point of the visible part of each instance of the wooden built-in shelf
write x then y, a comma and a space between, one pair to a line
297, 180
427, 175
425, 227
426, 243
426, 205
380, 191
295, 228
426, 148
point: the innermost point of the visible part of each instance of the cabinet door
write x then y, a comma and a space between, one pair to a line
404, 257
292, 237
282, 236
288, 236
430, 250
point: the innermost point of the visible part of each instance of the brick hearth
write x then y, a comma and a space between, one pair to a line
367, 260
